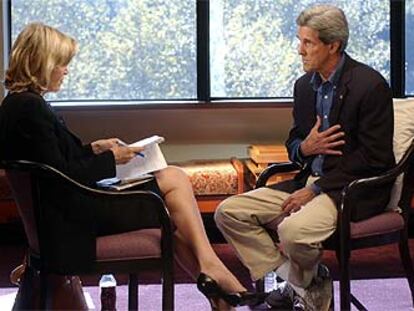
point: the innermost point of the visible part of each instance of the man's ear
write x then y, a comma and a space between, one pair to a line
335, 46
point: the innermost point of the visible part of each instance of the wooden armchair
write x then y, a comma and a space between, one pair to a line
129, 252
391, 226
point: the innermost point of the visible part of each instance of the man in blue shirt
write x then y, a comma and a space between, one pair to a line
342, 131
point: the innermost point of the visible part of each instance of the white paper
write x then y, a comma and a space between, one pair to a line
146, 142
147, 161
153, 160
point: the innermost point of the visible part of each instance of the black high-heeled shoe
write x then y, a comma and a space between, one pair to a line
212, 290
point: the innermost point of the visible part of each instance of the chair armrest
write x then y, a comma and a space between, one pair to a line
405, 165
274, 169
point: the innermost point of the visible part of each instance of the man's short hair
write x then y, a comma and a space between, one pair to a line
329, 21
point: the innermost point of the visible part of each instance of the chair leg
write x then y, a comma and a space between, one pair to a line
43, 290
28, 295
260, 288
344, 280
407, 262
357, 304
133, 292
168, 291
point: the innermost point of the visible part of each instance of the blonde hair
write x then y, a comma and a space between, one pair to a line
37, 51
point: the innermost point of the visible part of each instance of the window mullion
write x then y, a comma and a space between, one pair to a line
397, 42
203, 50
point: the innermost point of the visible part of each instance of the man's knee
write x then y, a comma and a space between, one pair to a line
289, 232
296, 244
224, 213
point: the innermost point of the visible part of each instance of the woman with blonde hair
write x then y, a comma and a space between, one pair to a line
30, 130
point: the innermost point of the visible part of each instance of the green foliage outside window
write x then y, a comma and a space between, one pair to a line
129, 49
146, 49
254, 45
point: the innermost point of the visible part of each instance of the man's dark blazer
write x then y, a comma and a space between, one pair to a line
29, 130
362, 105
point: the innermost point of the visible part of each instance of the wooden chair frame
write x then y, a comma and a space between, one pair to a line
31, 171
342, 241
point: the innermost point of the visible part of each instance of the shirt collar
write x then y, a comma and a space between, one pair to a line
316, 79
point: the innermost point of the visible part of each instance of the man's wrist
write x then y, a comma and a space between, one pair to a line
304, 149
298, 154
315, 189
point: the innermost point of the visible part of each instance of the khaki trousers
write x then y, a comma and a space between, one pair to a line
241, 218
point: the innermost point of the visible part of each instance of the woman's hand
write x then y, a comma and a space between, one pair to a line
103, 145
124, 154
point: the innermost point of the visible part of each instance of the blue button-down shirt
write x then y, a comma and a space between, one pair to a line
325, 92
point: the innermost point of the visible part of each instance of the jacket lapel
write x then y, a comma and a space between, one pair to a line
341, 92
337, 105
310, 109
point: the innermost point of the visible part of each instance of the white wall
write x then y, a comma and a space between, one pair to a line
191, 133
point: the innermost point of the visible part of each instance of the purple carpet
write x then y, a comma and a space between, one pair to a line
377, 272
376, 294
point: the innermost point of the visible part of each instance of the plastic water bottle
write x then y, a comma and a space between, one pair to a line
270, 282
107, 284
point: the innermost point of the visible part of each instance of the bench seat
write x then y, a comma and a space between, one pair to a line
214, 180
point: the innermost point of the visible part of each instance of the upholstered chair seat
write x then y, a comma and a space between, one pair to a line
131, 245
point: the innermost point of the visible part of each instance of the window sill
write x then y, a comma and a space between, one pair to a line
167, 105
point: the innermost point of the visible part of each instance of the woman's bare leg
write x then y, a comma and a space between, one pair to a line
185, 257
189, 264
180, 201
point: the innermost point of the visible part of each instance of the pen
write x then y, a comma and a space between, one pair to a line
124, 144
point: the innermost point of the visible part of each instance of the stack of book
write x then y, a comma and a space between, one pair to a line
260, 156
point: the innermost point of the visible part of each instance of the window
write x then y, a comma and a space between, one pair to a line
253, 43
147, 49
129, 49
409, 48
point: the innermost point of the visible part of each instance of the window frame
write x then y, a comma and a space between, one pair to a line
204, 98
397, 45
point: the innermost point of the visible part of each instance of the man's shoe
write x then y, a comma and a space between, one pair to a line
281, 298
318, 296
298, 304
